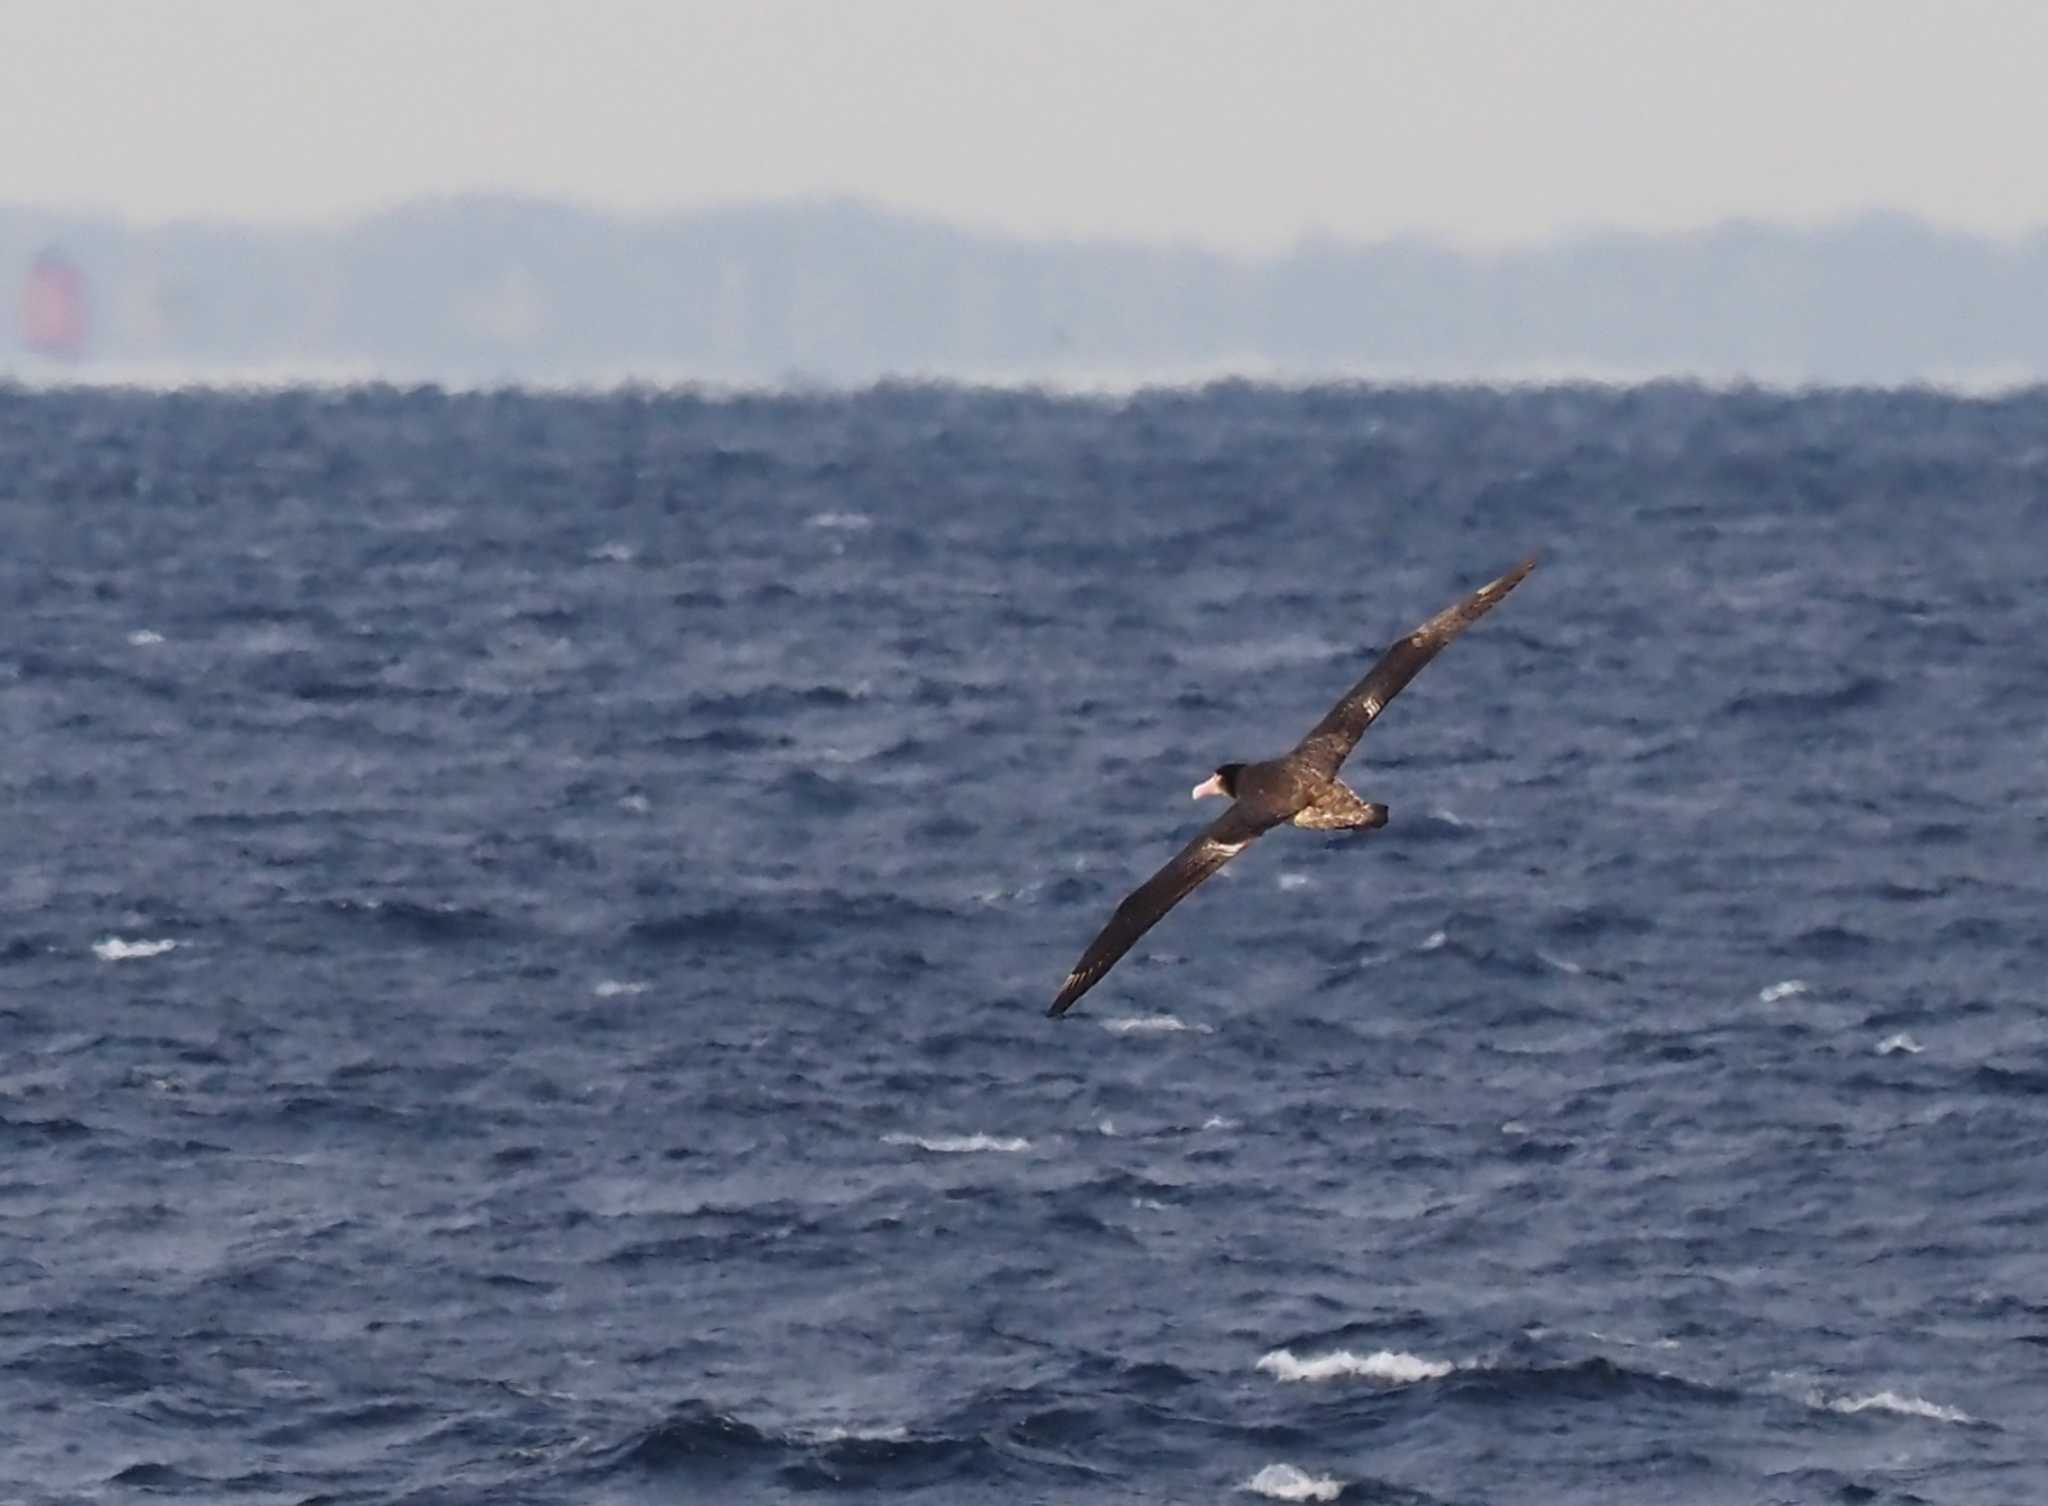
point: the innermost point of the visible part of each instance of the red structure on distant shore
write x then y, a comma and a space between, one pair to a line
53, 307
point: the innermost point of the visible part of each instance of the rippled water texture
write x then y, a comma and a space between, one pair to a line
526, 925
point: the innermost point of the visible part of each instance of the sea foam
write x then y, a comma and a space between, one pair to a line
1283, 1482
114, 949
1393, 1367
1890, 1401
1151, 1024
958, 1144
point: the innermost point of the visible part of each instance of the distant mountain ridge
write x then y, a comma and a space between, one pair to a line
488, 288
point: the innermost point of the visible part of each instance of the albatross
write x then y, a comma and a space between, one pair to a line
1301, 787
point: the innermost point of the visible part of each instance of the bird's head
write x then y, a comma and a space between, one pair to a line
1223, 782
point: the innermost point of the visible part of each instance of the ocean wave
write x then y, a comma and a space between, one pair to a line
1800, 705
1393, 1367
425, 921
1791, 988
1283, 1482
1435, 825
1893, 1402
886, 1432
1902, 1043
114, 949
778, 921
700, 1442
694, 1437
1152, 1024
959, 1144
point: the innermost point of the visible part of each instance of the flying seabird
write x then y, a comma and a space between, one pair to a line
1301, 787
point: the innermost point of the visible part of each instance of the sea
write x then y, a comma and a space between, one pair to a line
527, 920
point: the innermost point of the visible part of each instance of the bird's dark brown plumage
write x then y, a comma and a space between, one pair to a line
1301, 787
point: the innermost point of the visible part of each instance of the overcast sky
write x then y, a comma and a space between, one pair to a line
1242, 124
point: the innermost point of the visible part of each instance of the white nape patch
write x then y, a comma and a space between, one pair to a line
114, 949
1392, 1367
612, 988
144, 637
1283, 1482
849, 522
1890, 1401
958, 1144
1292, 881
1434, 941
1892, 1045
1152, 1024
1791, 988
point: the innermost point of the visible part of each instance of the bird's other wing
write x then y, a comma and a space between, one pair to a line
1142, 909
1331, 740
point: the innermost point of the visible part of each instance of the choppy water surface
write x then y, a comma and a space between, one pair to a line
527, 921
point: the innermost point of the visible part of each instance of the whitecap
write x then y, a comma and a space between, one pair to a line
1562, 964
852, 522
1449, 817
958, 1144
611, 988
1890, 1401
1292, 881
1891, 1045
637, 804
1283, 1482
1394, 1367
887, 1432
114, 949
1218, 1122
1791, 988
614, 554
1151, 1024
1434, 941
144, 637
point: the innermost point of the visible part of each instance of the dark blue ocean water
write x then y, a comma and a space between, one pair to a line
526, 923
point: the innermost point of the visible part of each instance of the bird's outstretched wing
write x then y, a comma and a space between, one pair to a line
1331, 740
1141, 910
